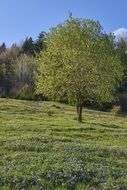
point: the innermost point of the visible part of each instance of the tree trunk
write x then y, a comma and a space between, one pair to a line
79, 113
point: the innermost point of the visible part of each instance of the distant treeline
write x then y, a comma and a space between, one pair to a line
18, 67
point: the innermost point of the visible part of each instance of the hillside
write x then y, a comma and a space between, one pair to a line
43, 147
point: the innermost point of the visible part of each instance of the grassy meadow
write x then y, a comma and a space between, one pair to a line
43, 147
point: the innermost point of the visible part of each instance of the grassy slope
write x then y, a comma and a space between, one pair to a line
43, 147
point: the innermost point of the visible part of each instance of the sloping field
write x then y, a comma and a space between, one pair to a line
42, 147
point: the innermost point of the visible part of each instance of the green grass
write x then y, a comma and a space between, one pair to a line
42, 147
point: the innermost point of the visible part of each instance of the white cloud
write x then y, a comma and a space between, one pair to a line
120, 33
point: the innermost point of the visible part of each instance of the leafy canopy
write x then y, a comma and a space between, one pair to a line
80, 62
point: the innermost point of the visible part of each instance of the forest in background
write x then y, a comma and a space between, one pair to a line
18, 68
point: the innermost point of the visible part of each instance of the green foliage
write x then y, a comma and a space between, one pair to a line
80, 62
40, 43
121, 50
2, 47
43, 147
28, 47
76, 61
17, 67
8, 63
24, 71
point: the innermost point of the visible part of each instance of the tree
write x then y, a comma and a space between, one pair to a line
28, 47
2, 47
2, 68
121, 50
80, 62
40, 43
8, 63
24, 71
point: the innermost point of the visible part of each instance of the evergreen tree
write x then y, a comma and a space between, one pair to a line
121, 51
40, 43
28, 47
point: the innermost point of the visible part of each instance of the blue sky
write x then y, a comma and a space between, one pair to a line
22, 18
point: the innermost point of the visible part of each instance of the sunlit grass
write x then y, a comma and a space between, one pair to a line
42, 146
